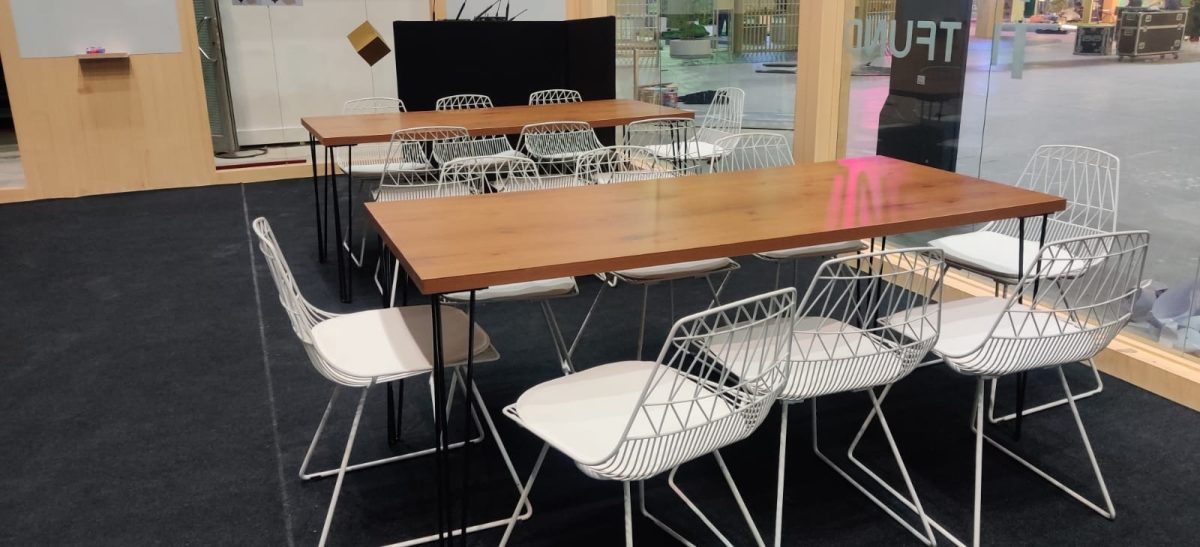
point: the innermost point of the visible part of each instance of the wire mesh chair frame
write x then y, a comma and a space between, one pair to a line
475, 147
751, 150
554, 96
673, 139
724, 115
698, 399
304, 317
557, 145
368, 153
410, 159
1071, 319
622, 163
464, 101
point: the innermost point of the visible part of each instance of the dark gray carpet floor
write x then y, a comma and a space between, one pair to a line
152, 392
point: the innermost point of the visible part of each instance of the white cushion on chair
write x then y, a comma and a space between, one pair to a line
584, 415
996, 254
531, 290
395, 341
376, 169
696, 150
678, 270
827, 249
967, 323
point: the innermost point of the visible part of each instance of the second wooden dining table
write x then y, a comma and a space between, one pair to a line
348, 131
468, 243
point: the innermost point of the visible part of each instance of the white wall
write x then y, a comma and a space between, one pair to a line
291, 61
539, 10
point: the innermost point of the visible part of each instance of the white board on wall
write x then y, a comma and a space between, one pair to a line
63, 28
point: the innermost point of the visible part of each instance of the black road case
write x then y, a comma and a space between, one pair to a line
1142, 33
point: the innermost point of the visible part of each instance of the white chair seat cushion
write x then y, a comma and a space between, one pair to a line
394, 341
546, 288
678, 270
696, 150
967, 323
584, 415
376, 169
500, 156
996, 254
827, 249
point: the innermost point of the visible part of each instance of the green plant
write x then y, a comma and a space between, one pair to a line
693, 31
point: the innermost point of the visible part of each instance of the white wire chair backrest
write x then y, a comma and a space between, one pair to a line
692, 403
473, 147
478, 175
724, 116
410, 168
466, 101
752, 150
670, 136
616, 164
368, 153
1089, 179
560, 140
555, 96
1071, 317
373, 105
302, 314
846, 324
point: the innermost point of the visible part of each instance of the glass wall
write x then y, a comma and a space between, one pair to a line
1049, 76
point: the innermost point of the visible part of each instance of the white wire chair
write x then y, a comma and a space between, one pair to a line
1089, 179
839, 347
1044, 325
634, 420
465, 101
556, 146
369, 159
554, 96
672, 139
723, 118
496, 148
361, 350
757, 150
622, 164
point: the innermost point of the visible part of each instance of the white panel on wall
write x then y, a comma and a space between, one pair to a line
65, 28
538, 10
290, 62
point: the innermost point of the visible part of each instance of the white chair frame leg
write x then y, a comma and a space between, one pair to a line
913, 502
454, 380
345, 467
991, 414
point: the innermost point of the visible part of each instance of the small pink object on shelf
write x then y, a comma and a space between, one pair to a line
94, 50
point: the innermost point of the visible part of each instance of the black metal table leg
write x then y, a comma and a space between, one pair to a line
349, 223
439, 422
312, 149
337, 229
1022, 377
469, 381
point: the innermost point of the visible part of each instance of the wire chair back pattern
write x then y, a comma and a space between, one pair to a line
368, 154
554, 96
466, 101
558, 141
373, 105
1071, 319
301, 313
693, 403
840, 344
473, 175
724, 116
616, 164
671, 138
477, 147
410, 164
751, 150
1088, 178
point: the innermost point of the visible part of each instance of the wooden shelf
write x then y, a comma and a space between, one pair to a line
101, 56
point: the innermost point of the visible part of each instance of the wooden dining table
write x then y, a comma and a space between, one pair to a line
347, 131
468, 243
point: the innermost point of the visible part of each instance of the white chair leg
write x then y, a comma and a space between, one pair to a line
628, 515
586, 319
778, 270
1032, 410
312, 446
687, 501
927, 536
1108, 511
650, 516
783, 425
737, 495
523, 501
341, 474
556, 336
977, 424
716, 291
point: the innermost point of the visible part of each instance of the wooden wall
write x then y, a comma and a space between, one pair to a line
108, 126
